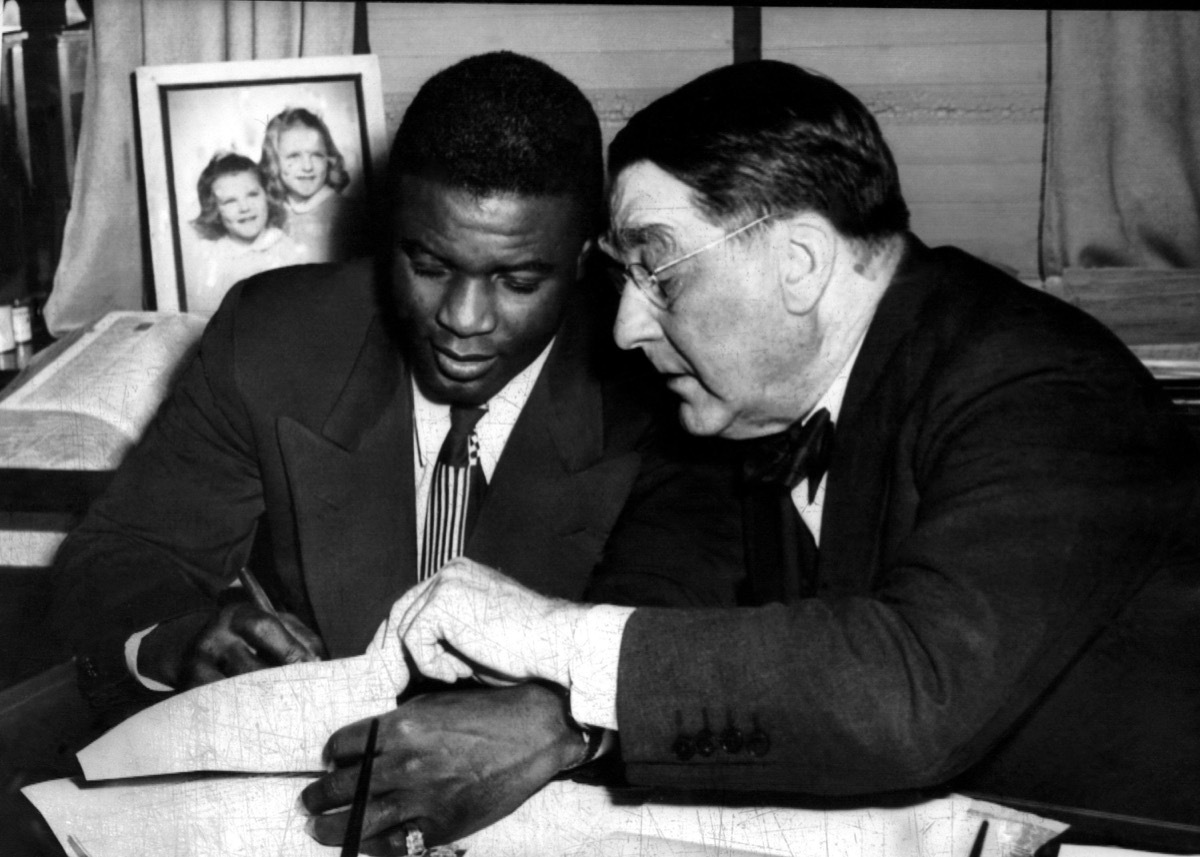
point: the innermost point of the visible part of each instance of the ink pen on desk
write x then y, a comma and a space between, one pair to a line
362, 793
980, 838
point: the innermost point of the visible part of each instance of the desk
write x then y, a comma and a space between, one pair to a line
113, 373
81, 497
200, 818
37, 509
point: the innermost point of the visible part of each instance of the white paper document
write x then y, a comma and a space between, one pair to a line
270, 721
1101, 851
214, 816
253, 816
146, 796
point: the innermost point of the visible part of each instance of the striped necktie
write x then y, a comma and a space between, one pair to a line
456, 493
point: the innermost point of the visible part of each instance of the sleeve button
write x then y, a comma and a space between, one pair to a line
683, 748
758, 743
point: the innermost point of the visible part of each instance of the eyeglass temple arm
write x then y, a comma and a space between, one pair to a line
708, 246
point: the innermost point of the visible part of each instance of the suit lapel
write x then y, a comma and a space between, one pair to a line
554, 496
574, 404
352, 493
876, 398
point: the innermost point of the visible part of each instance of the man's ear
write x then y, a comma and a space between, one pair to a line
808, 262
581, 261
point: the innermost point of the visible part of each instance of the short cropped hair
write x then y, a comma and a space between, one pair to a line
298, 117
503, 123
767, 137
209, 224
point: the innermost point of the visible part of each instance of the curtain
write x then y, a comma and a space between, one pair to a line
1123, 148
104, 265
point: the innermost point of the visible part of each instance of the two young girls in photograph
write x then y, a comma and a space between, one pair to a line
287, 209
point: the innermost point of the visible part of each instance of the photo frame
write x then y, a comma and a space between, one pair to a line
255, 165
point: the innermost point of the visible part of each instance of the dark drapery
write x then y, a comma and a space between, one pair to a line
1123, 149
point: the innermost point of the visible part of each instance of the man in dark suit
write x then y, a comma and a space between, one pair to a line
973, 521
316, 413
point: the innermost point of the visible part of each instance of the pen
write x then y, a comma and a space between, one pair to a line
362, 793
977, 848
77, 847
258, 597
257, 594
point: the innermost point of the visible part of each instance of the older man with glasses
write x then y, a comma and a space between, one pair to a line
972, 519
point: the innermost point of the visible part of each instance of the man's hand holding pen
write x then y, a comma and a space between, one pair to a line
242, 637
452, 762
447, 764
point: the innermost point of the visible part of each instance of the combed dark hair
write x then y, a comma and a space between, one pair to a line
297, 117
503, 123
209, 224
767, 137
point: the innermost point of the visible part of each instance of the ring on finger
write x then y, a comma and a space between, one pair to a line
414, 840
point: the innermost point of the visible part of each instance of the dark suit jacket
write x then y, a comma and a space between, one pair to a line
297, 410
1008, 586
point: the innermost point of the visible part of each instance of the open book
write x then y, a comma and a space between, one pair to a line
83, 408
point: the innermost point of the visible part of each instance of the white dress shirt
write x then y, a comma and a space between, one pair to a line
431, 424
596, 647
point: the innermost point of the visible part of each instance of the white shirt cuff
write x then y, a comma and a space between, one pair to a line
132, 645
595, 654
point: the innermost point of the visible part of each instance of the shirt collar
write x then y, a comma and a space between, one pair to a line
833, 396
431, 420
262, 242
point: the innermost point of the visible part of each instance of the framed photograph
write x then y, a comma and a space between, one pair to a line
255, 165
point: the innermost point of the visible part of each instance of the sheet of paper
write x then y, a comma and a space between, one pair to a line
250, 816
213, 816
1101, 851
271, 721
572, 819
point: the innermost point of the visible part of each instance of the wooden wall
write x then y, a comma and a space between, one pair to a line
622, 57
959, 93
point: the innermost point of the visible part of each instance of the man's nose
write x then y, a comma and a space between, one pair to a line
636, 325
467, 309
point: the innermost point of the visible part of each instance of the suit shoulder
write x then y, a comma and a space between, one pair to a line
984, 313
304, 300
295, 332
990, 348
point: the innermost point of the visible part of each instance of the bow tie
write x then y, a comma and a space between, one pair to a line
799, 452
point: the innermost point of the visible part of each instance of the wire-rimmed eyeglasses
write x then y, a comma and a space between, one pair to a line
646, 280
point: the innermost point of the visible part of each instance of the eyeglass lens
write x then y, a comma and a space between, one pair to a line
637, 274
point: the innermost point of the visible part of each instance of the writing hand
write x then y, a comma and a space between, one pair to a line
450, 762
241, 638
471, 620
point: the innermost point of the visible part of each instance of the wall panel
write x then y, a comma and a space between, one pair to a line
622, 57
960, 95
